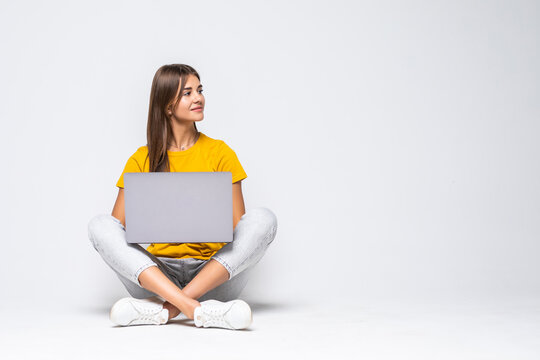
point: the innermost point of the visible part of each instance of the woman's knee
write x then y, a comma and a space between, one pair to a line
268, 221
96, 226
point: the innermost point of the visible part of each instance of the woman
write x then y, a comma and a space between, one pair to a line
166, 279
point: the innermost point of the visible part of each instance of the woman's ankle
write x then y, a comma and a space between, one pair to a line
189, 308
173, 310
190, 313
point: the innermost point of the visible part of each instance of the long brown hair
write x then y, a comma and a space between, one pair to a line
159, 131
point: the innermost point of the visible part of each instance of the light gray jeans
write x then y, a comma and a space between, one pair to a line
251, 237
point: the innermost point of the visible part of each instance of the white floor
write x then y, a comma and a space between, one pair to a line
471, 329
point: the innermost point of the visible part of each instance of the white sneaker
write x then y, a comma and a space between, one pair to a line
131, 311
235, 314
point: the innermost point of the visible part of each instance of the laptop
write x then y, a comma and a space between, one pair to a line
178, 207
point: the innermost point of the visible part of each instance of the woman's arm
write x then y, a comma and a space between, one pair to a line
238, 202
119, 209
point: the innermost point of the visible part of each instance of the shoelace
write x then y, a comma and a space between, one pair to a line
214, 316
148, 313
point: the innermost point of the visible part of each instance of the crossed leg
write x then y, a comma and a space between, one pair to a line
252, 235
183, 300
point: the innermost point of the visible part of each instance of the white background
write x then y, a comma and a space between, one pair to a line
397, 142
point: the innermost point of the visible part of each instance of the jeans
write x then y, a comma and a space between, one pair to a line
251, 237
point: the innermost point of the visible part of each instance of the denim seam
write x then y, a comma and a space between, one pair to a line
224, 263
262, 244
141, 269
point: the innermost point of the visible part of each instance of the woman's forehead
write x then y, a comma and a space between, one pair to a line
192, 81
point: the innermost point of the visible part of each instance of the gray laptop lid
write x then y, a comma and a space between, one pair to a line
178, 207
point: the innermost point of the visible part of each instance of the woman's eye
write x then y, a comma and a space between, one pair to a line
189, 92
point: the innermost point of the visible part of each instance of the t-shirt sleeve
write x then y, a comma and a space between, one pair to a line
131, 166
228, 161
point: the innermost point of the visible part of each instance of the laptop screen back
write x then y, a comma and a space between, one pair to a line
178, 207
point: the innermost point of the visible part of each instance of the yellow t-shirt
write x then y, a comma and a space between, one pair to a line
206, 154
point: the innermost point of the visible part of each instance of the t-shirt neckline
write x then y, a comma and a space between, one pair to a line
188, 151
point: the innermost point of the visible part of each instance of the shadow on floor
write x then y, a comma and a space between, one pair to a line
270, 306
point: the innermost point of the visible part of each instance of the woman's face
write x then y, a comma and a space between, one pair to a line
191, 105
